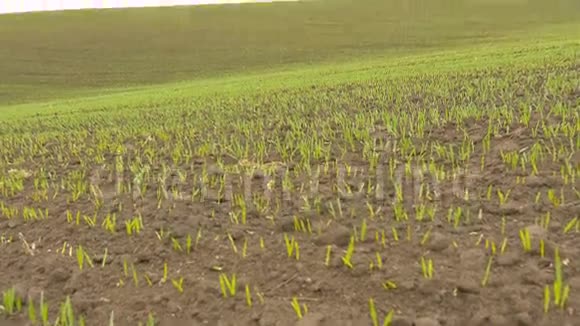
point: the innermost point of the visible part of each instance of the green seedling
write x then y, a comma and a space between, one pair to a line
164, 279
43, 310
347, 258
379, 260
427, 268
363, 230
248, 296
104, 262
561, 291
148, 280
425, 237
503, 246
389, 285
503, 225
260, 297
546, 299
570, 225
150, 320
503, 197
228, 285
134, 225
395, 234
374, 316
327, 258
197, 238
291, 246
526, 240
178, 284
82, 257
11, 303
553, 198
299, 310
125, 267
32, 313
490, 245
489, 192
545, 223
245, 248
135, 277
487, 273
176, 244
188, 244
373, 313
233, 243
457, 217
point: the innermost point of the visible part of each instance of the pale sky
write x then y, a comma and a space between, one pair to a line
12, 6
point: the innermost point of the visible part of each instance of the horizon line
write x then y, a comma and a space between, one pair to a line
32, 6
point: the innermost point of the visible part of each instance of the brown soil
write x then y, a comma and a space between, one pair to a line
33, 260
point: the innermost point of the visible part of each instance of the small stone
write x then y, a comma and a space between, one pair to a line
472, 258
143, 258
256, 315
74, 283
555, 226
508, 259
317, 286
533, 275
467, 286
173, 307
158, 299
511, 208
210, 289
406, 285
524, 319
59, 275
437, 242
338, 235
13, 223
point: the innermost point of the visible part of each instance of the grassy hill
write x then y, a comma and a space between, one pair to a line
74, 53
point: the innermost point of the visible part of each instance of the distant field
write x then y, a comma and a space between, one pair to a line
327, 163
61, 54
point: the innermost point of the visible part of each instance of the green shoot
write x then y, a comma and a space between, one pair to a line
327, 258
526, 240
178, 284
427, 268
228, 285
487, 273
346, 259
300, 311
248, 296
